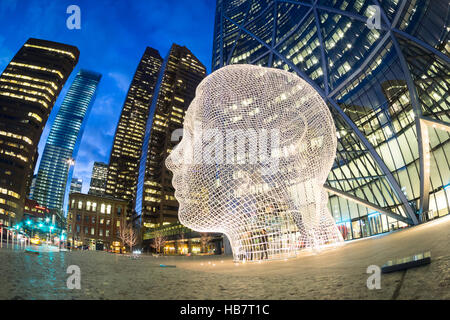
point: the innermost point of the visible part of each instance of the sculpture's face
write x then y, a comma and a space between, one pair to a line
241, 113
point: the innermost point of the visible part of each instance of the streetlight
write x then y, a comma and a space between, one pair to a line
50, 233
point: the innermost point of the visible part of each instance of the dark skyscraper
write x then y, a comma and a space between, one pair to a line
127, 146
98, 179
29, 87
387, 88
180, 75
63, 141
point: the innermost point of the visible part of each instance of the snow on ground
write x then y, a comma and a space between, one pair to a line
332, 274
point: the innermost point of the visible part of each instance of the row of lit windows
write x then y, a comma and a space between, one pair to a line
31, 79
70, 54
13, 154
32, 92
8, 94
30, 66
86, 231
28, 84
7, 213
8, 202
10, 193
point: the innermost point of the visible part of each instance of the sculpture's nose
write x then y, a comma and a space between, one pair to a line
175, 158
170, 164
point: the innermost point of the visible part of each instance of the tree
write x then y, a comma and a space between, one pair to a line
158, 241
128, 235
181, 240
205, 238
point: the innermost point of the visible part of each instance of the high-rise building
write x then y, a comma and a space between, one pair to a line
32, 185
76, 185
98, 179
29, 87
387, 86
51, 189
127, 146
180, 75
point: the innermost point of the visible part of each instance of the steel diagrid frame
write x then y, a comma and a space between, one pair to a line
392, 182
398, 14
366, 203
373, 166
322, 51
362, 67
435, 123
294, 29
422, 44
274, 31
422, 135
240, 31
422, 130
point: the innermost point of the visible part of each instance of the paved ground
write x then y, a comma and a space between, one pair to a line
333, 274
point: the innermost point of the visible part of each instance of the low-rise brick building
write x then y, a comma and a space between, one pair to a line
95, 221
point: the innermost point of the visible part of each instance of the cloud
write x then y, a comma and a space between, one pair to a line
122, 81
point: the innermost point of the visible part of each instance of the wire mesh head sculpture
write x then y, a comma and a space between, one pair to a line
258, 144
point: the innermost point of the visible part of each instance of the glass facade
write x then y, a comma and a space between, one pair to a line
63, 141
76, 185
98, 179
179, 77
29, 87
126, 150
387, 87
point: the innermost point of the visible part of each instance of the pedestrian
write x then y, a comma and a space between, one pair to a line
265, 240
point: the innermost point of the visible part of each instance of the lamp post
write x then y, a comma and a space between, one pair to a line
50, 233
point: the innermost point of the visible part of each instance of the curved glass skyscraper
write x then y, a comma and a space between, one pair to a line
29, 87
63, 141
383, 68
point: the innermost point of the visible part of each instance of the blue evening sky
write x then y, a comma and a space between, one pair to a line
112, 39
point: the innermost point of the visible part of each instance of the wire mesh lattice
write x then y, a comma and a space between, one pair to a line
258, 144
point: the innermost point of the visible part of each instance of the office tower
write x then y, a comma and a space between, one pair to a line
32, 185
98, 179
387, 87
76, 185
126, 149
63, 141
29, 87
180, 75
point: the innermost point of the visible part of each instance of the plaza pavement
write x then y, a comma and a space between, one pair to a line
332, 274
